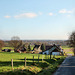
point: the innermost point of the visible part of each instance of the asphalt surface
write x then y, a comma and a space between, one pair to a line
67, 67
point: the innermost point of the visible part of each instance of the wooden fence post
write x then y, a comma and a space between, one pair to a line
33, 59
12, 63
47, 56
25, 61
54, 56
42, 58
50, 56
38, 58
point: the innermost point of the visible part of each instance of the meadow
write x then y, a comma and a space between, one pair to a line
47, 66
68, 50
7, 48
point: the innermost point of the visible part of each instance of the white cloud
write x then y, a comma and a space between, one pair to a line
40, 13
7, 16
68, 15
69, 11
26, 15
51, 14
74, 11
63, 11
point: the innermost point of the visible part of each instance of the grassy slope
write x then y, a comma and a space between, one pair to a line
67, 49
5, 63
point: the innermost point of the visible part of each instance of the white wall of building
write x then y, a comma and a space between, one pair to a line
55, 53
46, 52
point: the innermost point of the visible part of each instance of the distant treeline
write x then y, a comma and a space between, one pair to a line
49, 42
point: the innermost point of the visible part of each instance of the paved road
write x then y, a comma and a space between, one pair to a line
67, 67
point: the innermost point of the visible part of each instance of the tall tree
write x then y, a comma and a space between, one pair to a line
26, 46
29, 48
71, 41
1, 44
16, 43
43, 47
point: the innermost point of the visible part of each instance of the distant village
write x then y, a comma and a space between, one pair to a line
35, 47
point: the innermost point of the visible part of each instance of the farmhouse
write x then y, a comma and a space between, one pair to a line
53, 49
37, 49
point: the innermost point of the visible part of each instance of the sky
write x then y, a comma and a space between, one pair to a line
37, 19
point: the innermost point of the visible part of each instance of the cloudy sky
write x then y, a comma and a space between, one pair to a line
37, 19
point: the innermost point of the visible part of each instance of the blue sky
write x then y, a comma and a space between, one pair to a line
37, 19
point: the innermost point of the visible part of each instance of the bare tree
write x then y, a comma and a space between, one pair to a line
1, 44
71, 41
16, 43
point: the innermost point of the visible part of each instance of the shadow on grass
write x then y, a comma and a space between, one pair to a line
17, 72
22, 63
29, 62
40, 60
43, 65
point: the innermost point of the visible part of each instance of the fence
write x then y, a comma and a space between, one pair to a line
42, 60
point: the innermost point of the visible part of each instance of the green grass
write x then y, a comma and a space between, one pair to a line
66, 47
68, 50
31, 69
7, 48
32, 46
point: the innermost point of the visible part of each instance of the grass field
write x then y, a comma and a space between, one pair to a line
32, 46
7, 48
66, 47
68, 50
37, 68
